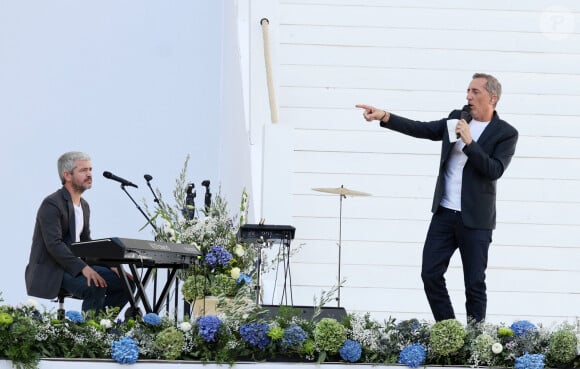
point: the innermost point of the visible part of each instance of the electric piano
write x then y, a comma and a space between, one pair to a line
116, 252
128, 250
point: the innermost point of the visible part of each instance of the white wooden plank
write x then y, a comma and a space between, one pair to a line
379, 207
509, 188
351, 141
405, 100
501, 5
393, 164
409, 18
405, 230
350, 119
497, 39
538, 260
494, 62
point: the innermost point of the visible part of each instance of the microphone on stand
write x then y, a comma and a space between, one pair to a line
465, 115
148, 178
207, 200
123, 181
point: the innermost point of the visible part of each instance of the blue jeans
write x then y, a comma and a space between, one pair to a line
97, 298
446, 234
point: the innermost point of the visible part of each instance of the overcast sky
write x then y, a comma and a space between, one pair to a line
135, 84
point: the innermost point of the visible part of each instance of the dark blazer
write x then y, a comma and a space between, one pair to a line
50, 254
487, 159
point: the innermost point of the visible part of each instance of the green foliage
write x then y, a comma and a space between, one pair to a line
562, 348
329, 335
17, 337
223, 284
196, 286
26, 335
205, 228
170, 343
447, 337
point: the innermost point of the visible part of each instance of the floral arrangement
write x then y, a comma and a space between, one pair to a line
226, 264
240, 332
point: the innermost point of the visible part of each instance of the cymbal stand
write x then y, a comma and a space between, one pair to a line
339, 246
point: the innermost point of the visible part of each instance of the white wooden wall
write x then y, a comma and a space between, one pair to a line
416, 58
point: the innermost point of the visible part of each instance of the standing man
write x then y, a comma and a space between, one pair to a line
464, 211
63, 218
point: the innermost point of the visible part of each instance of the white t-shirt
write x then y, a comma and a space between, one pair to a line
454, 170
79, 222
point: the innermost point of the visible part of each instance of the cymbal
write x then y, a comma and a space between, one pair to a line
342, 191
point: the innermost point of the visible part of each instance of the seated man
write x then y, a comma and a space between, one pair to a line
63, 218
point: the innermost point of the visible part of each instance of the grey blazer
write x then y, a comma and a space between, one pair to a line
487, 159
50, 254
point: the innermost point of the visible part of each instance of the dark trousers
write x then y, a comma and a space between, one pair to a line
97, 298
446, 234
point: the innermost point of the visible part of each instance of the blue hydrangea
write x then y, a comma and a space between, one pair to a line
208, 327
412, 325
530, 361
350, 351
218, 256
523, 327
152, 319
255, 334
74, 316
413, 355
125, 351
294, 336
244, 278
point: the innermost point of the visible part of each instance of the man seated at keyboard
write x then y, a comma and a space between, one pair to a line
63, 218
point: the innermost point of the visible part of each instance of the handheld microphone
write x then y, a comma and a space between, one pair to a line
465, 115
123, 181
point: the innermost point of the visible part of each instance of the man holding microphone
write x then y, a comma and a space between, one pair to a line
464, 203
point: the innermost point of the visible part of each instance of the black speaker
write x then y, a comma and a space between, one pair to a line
306, 312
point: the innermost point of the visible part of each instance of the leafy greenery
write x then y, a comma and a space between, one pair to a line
244, 331
225, 264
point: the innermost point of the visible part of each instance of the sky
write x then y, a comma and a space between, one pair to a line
134, 84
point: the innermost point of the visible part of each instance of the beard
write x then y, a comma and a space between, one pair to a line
81, 187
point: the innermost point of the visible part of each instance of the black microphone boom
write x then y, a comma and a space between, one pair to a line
123, 181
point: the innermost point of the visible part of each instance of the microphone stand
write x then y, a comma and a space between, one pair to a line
148, 179
121, 271
139, 208
155, 199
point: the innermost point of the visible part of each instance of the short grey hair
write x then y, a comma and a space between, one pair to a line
492, 85
66, 162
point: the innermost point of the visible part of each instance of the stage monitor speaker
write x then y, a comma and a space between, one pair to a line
307, 312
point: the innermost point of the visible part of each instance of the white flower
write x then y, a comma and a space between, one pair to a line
235, 272
239, 250
106, 323
168, 229
185, 326
496, 348
32, 303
